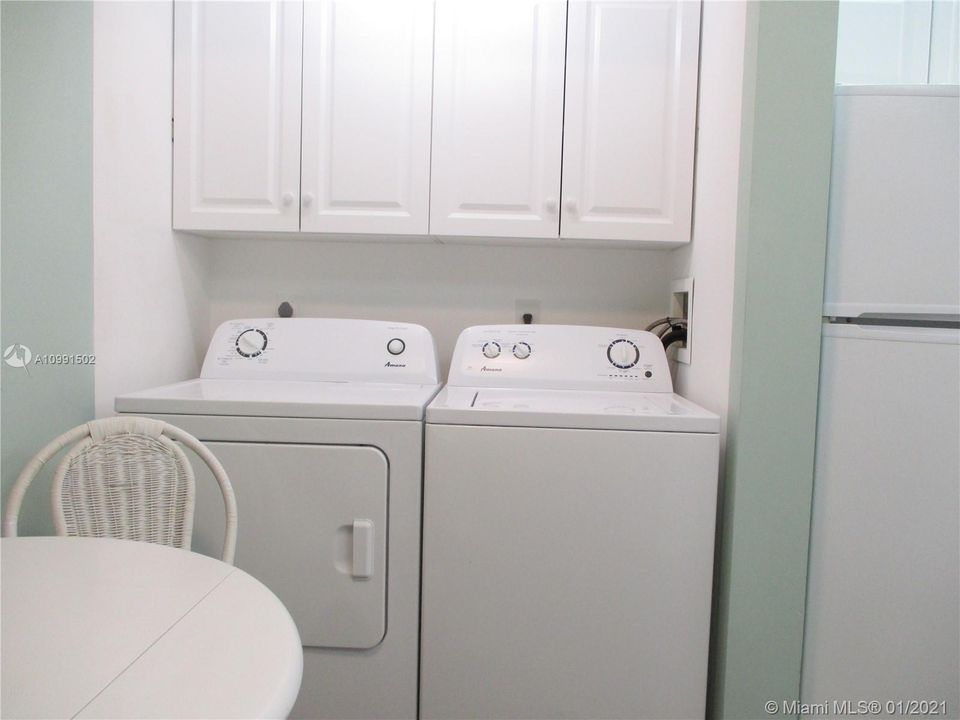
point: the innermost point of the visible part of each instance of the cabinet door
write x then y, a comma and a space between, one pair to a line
367, 74
497, 118
630, 120
236, 150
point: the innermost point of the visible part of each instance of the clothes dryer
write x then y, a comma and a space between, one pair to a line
319, 425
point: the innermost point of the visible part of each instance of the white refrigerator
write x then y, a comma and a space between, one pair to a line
884, 578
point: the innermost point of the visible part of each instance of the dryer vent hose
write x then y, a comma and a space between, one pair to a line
677, 334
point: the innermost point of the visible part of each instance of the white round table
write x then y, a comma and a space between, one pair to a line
96, 628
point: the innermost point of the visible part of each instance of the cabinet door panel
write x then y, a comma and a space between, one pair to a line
237, 115
629, 123
497, 118
366, 116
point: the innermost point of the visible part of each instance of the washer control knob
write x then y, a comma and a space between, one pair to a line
521, 351
623, 354
251, 343
491, 350
396, 346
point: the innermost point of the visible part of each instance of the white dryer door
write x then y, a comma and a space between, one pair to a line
312, 528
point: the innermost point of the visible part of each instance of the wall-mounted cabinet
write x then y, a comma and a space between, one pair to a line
498, 118
630, 120
366, 117
236, 98
534, 119
359, 76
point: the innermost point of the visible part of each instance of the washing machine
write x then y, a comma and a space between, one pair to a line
319, 425
570, 502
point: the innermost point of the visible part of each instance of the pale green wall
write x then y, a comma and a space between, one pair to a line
46, 261
765, 519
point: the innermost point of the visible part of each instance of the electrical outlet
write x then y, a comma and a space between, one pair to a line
681, 306
527, 307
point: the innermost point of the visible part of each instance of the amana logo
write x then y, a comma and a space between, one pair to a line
390, 364
484, 368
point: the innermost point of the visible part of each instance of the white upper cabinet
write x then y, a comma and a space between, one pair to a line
367, 74
236, 163
497, 118
528, 119
630, 121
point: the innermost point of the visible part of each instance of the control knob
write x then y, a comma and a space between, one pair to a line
521, 351
251, 343
491, 350
623, 354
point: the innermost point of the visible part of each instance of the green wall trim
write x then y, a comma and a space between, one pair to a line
46, 260
775, 363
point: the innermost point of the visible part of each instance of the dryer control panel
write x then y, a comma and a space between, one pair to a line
322, 349
561, 357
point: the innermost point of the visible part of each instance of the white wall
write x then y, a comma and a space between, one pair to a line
444, 287
709, 259
149, 307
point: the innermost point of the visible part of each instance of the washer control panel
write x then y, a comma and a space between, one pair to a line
560, 357
321, 349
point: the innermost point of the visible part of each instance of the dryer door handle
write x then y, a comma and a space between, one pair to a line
363, 537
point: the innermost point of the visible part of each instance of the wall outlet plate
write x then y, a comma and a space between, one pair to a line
681, 306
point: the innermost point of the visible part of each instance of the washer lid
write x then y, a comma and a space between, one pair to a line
283, 398
599, 410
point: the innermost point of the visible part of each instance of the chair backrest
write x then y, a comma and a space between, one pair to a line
128, 478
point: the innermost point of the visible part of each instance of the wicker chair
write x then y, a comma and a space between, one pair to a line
125, 478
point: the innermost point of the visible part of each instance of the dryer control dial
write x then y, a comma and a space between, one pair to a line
623, 354
251, 343
491, 350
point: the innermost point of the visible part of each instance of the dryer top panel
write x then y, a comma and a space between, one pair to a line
593, 410
321, 349
283, 398
560, 357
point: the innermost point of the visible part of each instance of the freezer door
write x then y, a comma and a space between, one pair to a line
312, 527
894, 233
884, 593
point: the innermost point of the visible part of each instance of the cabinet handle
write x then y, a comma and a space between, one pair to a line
287, 199
307, 200
551, 205
571, 206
